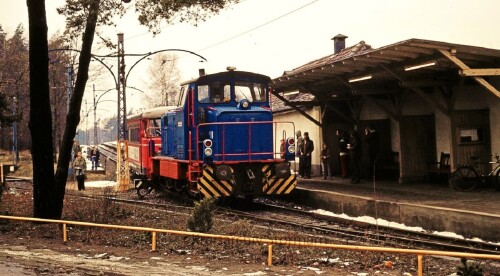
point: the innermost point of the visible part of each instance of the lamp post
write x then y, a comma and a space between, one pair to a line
121, 84
14, 132
69, 85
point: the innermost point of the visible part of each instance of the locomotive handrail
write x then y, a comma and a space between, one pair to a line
249, 153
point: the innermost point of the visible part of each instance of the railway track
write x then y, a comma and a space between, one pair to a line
365, 233
320, 228
109, 150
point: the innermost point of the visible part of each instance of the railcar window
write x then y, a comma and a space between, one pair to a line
154, 127
133, 134
253, 92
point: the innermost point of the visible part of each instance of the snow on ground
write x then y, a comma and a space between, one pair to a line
383, 222
100, 184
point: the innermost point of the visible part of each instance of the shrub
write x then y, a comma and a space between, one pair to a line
201, 219
469, 268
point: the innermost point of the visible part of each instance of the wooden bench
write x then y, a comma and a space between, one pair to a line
439, 170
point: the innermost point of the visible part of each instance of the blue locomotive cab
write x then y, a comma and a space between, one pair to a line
223, 130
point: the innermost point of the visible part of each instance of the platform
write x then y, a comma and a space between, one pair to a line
432, 206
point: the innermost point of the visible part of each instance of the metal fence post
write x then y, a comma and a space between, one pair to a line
65, 233
420, 264
270, 254
153, 241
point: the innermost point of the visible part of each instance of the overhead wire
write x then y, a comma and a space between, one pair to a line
249, 30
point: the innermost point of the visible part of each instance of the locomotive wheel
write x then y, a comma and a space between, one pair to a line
179, 186
168, 184
142, 192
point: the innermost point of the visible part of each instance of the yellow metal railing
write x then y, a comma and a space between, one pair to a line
269, 242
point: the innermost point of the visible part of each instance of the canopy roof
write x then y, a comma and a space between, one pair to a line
331, 77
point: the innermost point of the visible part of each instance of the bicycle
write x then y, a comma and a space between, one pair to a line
466, 177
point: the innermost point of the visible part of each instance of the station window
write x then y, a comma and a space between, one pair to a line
468, 136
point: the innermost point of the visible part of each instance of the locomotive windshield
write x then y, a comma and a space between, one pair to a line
253, 92
219, 92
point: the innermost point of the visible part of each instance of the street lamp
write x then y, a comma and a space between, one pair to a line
121, 84
15, 149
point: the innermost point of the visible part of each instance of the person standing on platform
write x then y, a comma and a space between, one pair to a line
372, 141
76, 148
300, 145
343, 154
307, 150
356, 154
325, 162
94, 156
80, 166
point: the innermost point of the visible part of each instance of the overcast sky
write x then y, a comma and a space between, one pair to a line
271, 36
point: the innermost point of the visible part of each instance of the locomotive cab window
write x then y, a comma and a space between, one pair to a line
253, 92
180, 96
216, 92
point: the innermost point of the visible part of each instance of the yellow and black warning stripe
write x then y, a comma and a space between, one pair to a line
273, 185
210, 186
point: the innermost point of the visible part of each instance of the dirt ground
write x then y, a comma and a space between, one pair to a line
38, 249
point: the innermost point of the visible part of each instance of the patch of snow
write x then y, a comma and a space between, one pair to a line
98, 256
383, 222
255, 273
98, 184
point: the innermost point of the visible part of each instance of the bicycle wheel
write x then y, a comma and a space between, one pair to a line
464, 179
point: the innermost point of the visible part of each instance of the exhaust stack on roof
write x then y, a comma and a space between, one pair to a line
338, 43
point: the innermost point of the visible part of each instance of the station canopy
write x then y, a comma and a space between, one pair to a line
410, 66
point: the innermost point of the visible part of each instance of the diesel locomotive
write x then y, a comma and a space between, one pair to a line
218, 140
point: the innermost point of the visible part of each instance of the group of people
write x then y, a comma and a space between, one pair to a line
350, 152
80, 164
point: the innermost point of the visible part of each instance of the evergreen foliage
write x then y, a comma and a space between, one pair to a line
469, 268
201, 219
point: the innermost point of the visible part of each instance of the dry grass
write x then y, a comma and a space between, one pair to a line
24, 167
101, 209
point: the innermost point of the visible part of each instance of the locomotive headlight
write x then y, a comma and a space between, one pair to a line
244, 104
207, 143
208, 151
291, 149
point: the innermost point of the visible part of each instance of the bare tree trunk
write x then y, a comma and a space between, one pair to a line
49, 190
73, 117
40, 124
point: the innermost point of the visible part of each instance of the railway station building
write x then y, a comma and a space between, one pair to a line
429, 101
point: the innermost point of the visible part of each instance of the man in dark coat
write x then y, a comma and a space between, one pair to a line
308, 148
356, 154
